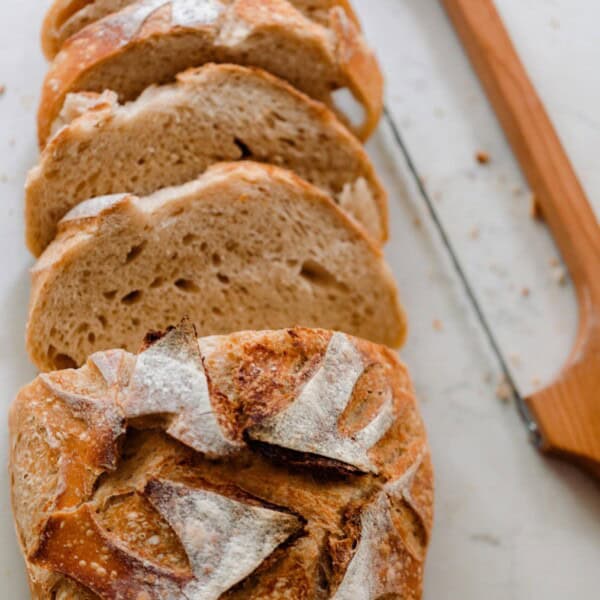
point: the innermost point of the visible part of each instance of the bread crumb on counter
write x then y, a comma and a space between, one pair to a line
438, 325
482, 157
503, 390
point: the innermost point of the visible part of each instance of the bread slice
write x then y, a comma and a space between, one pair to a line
66, 17
172, 133
246, 246
303, 435
149, 42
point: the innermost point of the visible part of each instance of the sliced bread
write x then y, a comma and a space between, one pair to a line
149, 42
66, 17
172, 133
245, 246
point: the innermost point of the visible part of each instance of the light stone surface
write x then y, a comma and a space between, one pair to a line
510, 525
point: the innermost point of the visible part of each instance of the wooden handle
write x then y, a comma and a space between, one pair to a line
568, 411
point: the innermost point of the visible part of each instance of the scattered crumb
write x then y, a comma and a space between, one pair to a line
525, 292
554, 262
438, 325
518, 191
417, 222
503, 390
559, 274
483, 158
474, 233
536, 382
2, 89
485, 538
12, 142
515, 360
535, 210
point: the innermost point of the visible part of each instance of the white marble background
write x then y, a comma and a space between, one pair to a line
510, 525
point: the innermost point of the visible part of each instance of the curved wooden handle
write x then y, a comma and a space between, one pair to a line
568, 411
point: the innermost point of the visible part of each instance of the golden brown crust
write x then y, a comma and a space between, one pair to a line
127, 529
54, 35
227, 34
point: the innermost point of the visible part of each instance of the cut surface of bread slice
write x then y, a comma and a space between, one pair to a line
287, 464
246, 246
151, 41
172, 133
66, 17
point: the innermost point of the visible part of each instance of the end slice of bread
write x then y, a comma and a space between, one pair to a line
172, 133
67, 17
149, 42
246, 246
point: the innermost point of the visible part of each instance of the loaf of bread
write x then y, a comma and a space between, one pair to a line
246, 246
149, 42
66, 17
270, 465
172, 133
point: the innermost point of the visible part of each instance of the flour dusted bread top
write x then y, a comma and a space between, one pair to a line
149, 42
168, 475
172, 133
67, 17
245, 246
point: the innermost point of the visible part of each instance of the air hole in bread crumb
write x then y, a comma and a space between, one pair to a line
132, 297
245, 152
64, 361
223, 278
317, 274
217, 311
188, 239
288, 142
110, 295
157, 282
102, 320
134, 252
135, 321
91, 337
187, 285
216, 259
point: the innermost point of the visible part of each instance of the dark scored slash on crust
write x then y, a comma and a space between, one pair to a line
303, 460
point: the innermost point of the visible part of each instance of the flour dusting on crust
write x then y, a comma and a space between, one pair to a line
310, 423
169, 378
224, 539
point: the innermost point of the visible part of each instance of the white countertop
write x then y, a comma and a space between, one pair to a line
510, 524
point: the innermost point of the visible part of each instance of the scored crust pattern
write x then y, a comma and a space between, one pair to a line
282, 464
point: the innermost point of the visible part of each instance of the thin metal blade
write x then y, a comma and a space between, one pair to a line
530, 423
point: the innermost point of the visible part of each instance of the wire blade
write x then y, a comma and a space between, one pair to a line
528, 419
